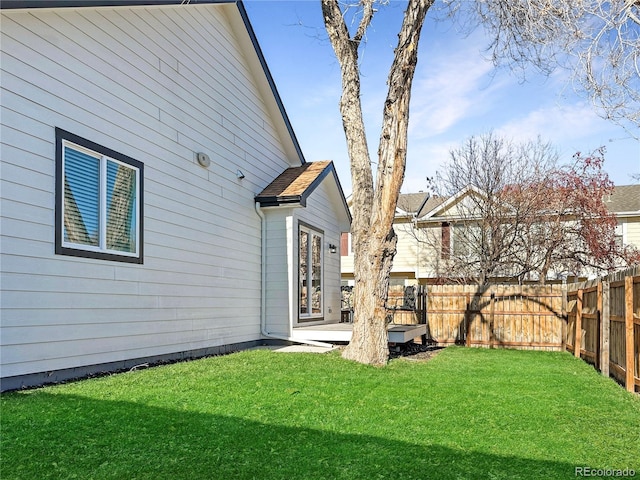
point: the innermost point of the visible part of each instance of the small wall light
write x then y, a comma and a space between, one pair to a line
240, 175
203, 159
332, 248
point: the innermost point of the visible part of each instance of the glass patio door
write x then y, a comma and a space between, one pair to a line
310, 274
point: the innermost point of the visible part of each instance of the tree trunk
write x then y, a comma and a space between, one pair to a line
374, 209
369, 341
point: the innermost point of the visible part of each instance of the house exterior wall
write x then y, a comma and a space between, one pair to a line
631, 230
282, 283
149, 84
317, 215
419, 256
416, 257
279, 269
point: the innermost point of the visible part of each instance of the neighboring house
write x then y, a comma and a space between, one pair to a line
427, 234
141, 220
625, 204
408, 259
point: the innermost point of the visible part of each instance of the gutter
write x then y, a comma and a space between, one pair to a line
263, 291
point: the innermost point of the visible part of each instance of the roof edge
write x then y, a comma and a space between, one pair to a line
26, 4
290, 200
16, 4
274, 201
270, 80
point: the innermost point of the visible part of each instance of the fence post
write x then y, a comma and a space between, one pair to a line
565, 316
606, 328
492, 313
628, 333
577, 345
422, 305
598, 359
467, 318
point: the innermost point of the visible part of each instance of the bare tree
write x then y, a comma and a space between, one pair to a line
374, 240
524, 32
492, 216
577, 233
514, 213
599, 41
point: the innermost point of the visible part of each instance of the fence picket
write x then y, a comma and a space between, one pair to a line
610, 329
598, 320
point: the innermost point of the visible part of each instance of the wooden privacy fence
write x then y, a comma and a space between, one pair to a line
512, 316
603, 317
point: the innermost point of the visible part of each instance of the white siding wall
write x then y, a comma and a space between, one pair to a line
407, 251
156, 84
279, 270
282, 258
632, 230
346, 261
319, 215
414, 259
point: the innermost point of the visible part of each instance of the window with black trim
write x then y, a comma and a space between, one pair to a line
98, 201
310, 258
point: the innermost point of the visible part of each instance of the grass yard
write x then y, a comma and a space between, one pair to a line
466, 414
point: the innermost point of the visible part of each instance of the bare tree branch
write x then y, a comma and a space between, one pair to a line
598, 41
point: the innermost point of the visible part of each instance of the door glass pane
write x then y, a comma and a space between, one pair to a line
316, 281
81, 198
303, 260
121, 201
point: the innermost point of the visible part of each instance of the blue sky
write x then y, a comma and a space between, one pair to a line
456, 93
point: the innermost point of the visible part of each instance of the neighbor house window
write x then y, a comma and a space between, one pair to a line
98, 201
466, 241
619, 235
310, 273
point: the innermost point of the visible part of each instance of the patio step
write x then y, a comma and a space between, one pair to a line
405, 333
341, 332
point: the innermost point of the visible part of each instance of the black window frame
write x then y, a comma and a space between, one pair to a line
60, 248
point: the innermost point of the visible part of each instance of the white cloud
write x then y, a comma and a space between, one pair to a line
450, 89
554, 123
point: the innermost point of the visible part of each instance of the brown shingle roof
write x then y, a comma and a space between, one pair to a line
294, 184
625, 198
419, 203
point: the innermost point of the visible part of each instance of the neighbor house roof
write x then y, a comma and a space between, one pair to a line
410, 203
30, 4
440, 204
417, 204
431, 203
625, 198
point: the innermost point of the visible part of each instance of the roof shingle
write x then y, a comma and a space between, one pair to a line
294, 184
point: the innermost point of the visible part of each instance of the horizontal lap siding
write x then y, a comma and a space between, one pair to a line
407, 257
149, 84
322, 212
279, 269
633, 231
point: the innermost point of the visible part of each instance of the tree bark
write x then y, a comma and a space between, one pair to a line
374, 207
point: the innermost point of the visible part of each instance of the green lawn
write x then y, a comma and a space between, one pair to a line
467, 413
